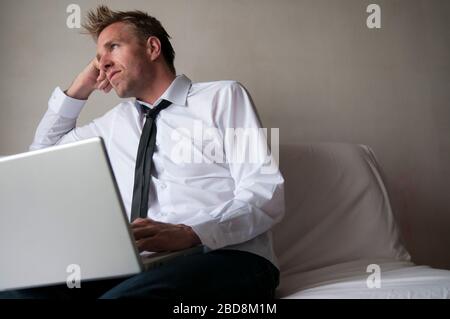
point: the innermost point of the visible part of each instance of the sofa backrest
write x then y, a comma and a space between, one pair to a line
337, 208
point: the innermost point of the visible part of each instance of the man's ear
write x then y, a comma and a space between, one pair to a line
153, 48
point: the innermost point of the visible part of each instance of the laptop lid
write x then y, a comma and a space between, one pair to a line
60, 208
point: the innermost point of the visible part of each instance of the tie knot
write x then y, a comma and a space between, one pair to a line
148, 112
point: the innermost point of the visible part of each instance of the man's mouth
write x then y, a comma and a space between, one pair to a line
113, 75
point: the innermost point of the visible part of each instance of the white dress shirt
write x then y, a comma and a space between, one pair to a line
229, 204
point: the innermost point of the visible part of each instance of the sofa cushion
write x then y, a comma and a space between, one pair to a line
337, 208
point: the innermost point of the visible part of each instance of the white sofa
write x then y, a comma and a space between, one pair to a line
338, 222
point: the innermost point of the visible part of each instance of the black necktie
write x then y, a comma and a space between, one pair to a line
144, 161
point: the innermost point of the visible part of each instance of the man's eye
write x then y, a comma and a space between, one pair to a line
114, 45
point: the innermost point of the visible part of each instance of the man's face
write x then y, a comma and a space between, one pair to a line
123, 57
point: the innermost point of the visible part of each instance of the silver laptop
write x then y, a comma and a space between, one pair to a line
61, 212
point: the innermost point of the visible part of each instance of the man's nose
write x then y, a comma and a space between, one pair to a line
105, 63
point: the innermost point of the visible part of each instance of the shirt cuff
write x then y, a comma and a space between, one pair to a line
209, 233
64, 105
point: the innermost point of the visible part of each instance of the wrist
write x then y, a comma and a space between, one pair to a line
78, 92
194, 239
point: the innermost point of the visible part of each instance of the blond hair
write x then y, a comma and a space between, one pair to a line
145, 26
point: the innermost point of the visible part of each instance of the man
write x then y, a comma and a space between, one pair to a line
227, 206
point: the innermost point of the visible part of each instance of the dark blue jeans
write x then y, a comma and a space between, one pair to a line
220, 274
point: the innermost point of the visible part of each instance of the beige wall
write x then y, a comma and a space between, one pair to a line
313, 67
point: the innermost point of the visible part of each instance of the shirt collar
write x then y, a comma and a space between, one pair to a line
176, 93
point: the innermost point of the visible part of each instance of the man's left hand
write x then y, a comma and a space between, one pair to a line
155, 236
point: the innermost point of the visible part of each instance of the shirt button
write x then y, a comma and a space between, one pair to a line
163, 186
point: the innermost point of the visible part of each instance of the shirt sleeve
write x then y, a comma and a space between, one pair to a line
58, 125
258, 202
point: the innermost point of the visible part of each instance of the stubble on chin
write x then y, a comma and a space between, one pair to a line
123, 93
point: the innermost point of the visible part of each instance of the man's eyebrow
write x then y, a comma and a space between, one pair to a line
106, 45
